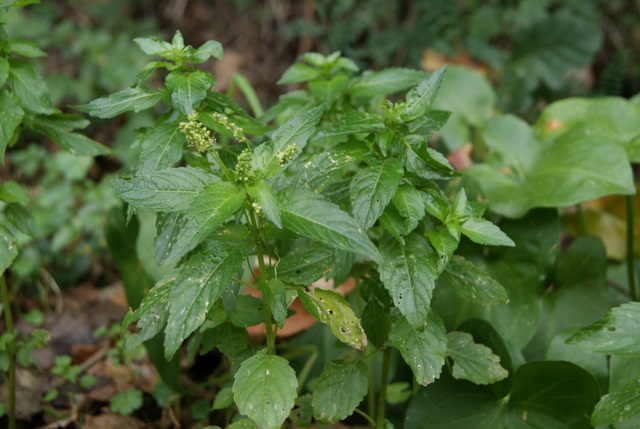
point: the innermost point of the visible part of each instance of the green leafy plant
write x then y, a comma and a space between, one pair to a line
347, 188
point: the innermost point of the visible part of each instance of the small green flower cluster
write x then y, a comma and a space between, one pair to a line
245, 172
236, 131
287, 155
198, 136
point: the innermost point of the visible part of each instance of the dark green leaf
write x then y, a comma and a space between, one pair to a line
20, 217
423, 348
262, 194
170, 189
200, 283
444, 244
13, 192
188, 89
8, 248
409, 273
152, 313
311, 216
247, 311
472, 361
4, 72
332, 309
469, 281
410, 204
265, 389
340, 388
421, 96
12, 115
355, 122
427, 163
376, 322
130, 99
275, 296
161, 148
619, 406
306, 264
372, 188
29, 87
75, 143
327, 91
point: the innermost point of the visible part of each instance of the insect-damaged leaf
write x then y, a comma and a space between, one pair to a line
331, 308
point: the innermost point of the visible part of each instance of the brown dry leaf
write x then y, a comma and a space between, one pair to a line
433, 60
113, 421
460, 159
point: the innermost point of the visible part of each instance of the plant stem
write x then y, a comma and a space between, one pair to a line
384, 379
12, 352
630, 250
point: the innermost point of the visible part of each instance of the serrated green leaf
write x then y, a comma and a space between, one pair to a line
153, 46
318, 172
20, 217
482, 231
262, 194
295, 132
423, 348
29, 87
306, 264
274, 294
130, 99
75, 143
393, 223
247, 311
265, 389
327, 91
340, 388
426, 162
383, 82
8, 248
13, 192
409, 273
619, 406
311, 216
232, 341
198, 286
355, 122
25, 48
616, 333
372, 188
332, 309
223, 399
421, 96
152, 313
410, 204
299, 73
126, 402
209, 49
170, 189
161, 148
444, 244
188, 90
474, 362
170, 228
471, 282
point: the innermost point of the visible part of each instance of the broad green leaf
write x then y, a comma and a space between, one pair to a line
340, 388
213, 206
25, 48
170, 189
409, 273
471, 282
299, 73
20, 217
293, 133
423, 348
306, 264
421, 96
393, 223
232, 341
311, 216
472, 361
161, 148
8, 248
376, 322
241, 424
197, 287
209, 49
586, 168
262, 194
318, 172
152, 313
169, 245
616, 333
383, 82
4, 71
444, 244
332, 309
327, 91
549, 395
355, 122
247, 311
75, 143
148, 70
372, 188
618, 406
410, 204
130, 99
425, 162
188, 89
482, 231
12, 115
264, 389
153, 46
13, 192
608, 118
29, 87
550, 48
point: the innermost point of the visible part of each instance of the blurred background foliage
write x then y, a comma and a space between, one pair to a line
516, 56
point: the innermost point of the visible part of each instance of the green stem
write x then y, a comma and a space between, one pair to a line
630, 250
366, 416
12, 352
249, 93
384, 379
271, 335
